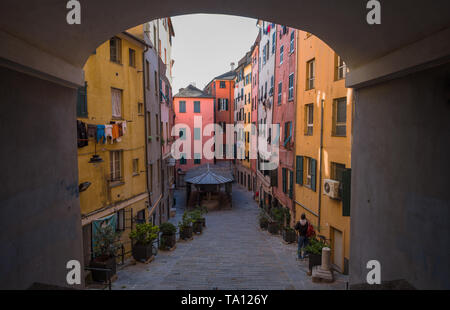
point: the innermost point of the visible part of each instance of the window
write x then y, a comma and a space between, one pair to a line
291, 86
149, 124
274, 42
151, 178
183, 159
116, 103
310, 74
291, 184
291, 48
222, 84
135, 166
156, 82
337, 173
287, 132
115, 161
140, 108
182, 106
340, 117
310, 180
267, 50
196, 106
132, 57
82, 101
284, 175
281, 54
340, 69
222, 104
120, 223
299, 170
197, 133
115, 50
140, 216
197, 158
157, 125
309, 119
147, 74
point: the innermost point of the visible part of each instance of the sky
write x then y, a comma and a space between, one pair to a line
206, 44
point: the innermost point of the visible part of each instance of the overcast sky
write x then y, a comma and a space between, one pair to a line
206, 44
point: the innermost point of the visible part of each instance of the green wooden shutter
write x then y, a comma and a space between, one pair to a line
346, 187
291, 183
284, 180
299, 166
313, 174
82, 101
273, 177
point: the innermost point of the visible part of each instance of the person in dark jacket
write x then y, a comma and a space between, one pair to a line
302, 228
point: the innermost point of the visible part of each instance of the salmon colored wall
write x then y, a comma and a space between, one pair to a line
207, 114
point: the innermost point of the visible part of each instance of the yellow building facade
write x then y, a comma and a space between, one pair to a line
323, 144
113, 95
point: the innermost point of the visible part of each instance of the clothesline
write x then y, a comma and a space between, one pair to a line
114, 131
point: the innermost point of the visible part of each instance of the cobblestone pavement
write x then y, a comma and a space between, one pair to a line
231, 253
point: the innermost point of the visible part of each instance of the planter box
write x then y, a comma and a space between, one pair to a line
197, 227
314, 260
289, 236
263, 224
103, 276
142, 252
186, 233
168, 241
273, 228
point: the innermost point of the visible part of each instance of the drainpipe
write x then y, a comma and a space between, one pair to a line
295, 120
144, 82
320, 163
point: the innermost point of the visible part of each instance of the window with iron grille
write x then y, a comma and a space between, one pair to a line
115, 50
115, 165
291, 86
340, 117
310, 74
309, 119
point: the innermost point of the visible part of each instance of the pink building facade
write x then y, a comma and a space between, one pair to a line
194, 110
284, 113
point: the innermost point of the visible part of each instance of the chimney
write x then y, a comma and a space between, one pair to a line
232, 66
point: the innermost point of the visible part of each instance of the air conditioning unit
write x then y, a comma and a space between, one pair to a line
331, 188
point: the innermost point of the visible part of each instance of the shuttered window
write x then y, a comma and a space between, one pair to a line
346, 194
115, 50
340, 117
313, 174
292, 41
299, 170
196, 106
115, 165
284, 176
291, 86
182, 107
82, 101
291, 184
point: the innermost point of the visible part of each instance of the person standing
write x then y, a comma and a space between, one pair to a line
302, 228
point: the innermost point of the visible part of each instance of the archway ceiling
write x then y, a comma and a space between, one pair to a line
341, 24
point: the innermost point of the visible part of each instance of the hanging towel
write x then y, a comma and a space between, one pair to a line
124, 127
101, 133
115, 131
91, 131
108, 132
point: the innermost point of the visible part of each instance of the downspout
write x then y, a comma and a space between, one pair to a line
144, 84
159, 118
320, 164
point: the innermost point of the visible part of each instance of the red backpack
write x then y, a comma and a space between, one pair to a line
310, 231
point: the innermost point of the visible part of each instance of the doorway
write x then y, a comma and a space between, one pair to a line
337, 249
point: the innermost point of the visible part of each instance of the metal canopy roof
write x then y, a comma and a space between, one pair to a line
210, 174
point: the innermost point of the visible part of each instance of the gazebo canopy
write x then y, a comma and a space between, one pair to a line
210, 174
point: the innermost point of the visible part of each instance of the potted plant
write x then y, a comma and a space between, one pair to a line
202, 210
289, 234
185, 226
168, 237
314, 250
277, 215
142, 239
105, 249
263, 220
197, 222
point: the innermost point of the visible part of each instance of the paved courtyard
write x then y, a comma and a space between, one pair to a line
231, 253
